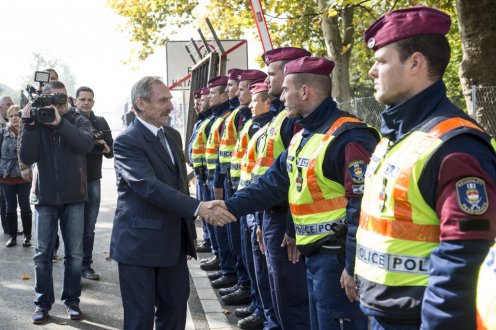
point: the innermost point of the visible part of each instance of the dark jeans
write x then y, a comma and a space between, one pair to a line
71, 225
14, 192
91, 209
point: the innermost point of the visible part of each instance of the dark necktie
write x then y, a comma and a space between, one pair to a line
163, 140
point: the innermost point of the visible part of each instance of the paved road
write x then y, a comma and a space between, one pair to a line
100, 300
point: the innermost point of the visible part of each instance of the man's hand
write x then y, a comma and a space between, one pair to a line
106, 148
260, 240
293, 252
57, 119
215, 213
27, 174
219, 193
349, 285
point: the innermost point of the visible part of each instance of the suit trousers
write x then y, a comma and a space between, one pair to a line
157, 294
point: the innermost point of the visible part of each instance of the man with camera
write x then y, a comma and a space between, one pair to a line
57, 138
102, 147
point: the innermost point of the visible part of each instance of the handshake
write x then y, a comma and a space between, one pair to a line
215, 213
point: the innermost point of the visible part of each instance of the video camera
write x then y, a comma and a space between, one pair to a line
41, 111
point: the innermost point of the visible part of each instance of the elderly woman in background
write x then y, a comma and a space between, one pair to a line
14, 187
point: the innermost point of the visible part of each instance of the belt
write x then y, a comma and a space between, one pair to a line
393, 321
278, 209
331, 249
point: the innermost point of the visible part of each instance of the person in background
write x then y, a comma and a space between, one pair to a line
14, 188
103, 144
5, 104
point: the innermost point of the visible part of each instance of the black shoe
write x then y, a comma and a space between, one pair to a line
209, 259
224, 281
90, 274
226, 291
11, 242
238, 297
252, 322
204, 246
243, 312
27, 241
73, 312
212, 265
214, 276
40, 315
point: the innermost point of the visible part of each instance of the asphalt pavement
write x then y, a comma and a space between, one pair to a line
100, 300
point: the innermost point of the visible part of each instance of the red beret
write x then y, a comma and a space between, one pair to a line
197, 93
405, 23
205, 91
309, 64
251, 75
218, 81
233, 73
284, 53
258, 87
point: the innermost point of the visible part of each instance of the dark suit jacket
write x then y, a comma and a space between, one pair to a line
154, 215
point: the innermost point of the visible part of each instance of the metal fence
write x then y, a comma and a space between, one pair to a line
484, 107
365, 108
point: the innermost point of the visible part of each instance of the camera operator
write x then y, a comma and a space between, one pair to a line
58, 148
102, 147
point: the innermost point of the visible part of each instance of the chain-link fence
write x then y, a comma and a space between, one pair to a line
365, 108
484, 107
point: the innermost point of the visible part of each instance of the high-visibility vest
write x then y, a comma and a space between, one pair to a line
250, 158
317, 203
486, 293
228, 141
271, 146
198, 148
239, 152
398, 229
212, 147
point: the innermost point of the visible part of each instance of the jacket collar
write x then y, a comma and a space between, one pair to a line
221, 109
322, 114
276, 105
398, 121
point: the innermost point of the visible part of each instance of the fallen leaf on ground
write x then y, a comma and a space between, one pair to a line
226, 311
25, 276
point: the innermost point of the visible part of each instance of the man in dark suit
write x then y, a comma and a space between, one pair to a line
153, 225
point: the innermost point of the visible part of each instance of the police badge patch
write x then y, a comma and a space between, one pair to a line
357, 170
472, 195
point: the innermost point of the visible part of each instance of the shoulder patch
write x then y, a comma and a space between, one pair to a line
357, 170
472, 195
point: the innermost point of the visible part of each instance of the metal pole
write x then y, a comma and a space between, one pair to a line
196, 47
190, 55
217, 41
474, 101
204, 40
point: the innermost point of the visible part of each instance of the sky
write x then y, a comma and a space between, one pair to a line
84, 35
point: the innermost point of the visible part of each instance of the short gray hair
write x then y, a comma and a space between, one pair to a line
3, 98
143, 89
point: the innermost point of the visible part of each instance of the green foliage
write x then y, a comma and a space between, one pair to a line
291, 23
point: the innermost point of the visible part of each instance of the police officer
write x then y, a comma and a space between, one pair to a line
205, 245
486, 293
199, 164
286, 273
428, 211
321, 175
240, 293
261, 312
219, 101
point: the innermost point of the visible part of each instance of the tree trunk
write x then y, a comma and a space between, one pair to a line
477, 24
336, 38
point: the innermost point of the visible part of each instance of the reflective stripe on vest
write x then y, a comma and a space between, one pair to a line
250, 158
239, 152
228, 141
316, 202
486, 293
212, 147
198, 148
396, 224
271, 146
